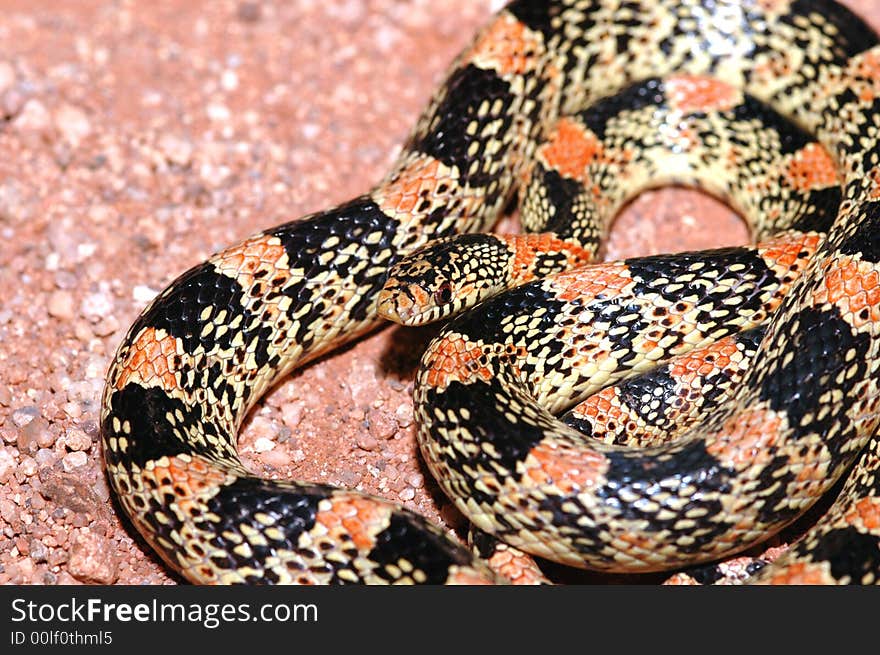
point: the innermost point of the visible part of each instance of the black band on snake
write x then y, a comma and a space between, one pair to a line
800, 415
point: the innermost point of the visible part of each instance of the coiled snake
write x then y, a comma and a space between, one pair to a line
209, 345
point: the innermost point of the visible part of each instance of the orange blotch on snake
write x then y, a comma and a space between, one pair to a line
357, 517
865, 514
506, 47
259, 253
419, 188
570, 149
527, 248
782, 252
590, 282
702, 362
455, 359
811, 168
800, 573
516, 566
863, 72
150, 359
467, 577
854, 287
699, 93
187, 479
566, 467
747, 438
603, 404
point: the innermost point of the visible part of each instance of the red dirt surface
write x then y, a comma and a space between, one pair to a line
138, 138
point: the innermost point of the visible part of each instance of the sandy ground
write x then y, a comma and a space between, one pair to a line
138, 138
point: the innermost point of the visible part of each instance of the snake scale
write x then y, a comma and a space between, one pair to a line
803, 415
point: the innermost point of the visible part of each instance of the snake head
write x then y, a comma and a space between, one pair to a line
445, 278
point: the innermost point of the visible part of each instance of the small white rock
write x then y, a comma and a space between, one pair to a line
61, 305
24, 415
72, 123
229, 80
263, 444
33, 117
96, 305
143, 294
77, 439
292, 413
74, 460
217, 112
176, 150
7, 465
28, 466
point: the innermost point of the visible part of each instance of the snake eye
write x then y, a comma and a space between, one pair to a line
443, 294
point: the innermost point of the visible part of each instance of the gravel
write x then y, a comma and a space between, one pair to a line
138, 138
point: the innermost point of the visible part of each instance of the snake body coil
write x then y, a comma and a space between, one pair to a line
206, 348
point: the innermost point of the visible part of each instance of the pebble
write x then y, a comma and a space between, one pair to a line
38, 550
7, 465
407, 494
218, 112
262, 425
22, 571
45, 457
61, 305
263, 444
7, 510
404, 415
366, 441
275, 458
101, 213
106, 326
292, 413
74, 460
82, 331
43, 434
96, 305
349, 478
72, 123
24, 415
27, 440
382, 424
101, 489
28, 466
58, 556
11, 101
229, 80
80, 392
93, 558
175, 149
143, 294
33, 117
76, 439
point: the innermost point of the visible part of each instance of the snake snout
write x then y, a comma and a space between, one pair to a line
397, 303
